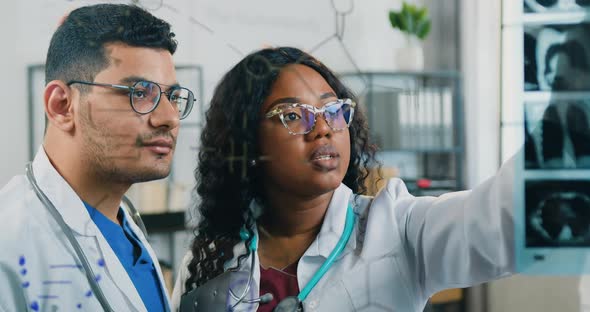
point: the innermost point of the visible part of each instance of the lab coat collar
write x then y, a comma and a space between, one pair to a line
333, 225
326, 240
63, 197
330, 232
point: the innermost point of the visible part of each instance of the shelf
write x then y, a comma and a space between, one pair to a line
424, 139
406, 74
164, 222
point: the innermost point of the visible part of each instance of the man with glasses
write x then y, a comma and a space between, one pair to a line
113, 107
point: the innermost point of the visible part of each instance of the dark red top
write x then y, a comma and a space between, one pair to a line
280, 284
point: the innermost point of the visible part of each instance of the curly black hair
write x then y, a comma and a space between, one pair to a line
227, 186
77, 48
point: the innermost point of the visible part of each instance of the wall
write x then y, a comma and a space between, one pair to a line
13, 128
527, 293
217, 34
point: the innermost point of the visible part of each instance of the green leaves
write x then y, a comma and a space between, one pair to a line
411, 20
423, 29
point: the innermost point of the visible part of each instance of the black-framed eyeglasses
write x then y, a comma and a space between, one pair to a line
144, 96
301, 118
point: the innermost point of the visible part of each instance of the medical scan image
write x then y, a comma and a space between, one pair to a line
558, 56
558, 213
555, 5
557, 135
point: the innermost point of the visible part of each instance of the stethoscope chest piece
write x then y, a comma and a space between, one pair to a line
217, 294
289, 304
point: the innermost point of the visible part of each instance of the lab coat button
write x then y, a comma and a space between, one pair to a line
312, 305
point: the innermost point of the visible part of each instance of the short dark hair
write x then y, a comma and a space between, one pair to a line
76, 50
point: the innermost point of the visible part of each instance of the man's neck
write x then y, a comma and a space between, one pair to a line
104, 196
105, 200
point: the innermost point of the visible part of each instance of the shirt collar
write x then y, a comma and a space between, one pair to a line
105, 224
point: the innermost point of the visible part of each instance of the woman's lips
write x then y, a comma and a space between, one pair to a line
325, 158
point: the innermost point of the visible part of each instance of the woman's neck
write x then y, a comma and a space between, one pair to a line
288, 226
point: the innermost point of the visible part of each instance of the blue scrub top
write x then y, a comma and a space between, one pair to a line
133, 256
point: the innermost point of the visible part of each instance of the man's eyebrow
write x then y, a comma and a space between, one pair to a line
134, 79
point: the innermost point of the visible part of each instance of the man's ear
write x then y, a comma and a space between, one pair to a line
59, 105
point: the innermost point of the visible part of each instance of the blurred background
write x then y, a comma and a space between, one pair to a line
446, 85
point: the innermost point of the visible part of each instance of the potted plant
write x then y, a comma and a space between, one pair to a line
415, 24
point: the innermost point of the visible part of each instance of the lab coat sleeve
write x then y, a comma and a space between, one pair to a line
182, 276
459, 239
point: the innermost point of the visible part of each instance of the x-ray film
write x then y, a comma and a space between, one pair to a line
552, 197
555, 5
553, 226
557, 57
552, 193
558, 134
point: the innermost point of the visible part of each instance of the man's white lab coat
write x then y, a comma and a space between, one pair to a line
39, 270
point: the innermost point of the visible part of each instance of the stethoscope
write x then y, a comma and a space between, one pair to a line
206, 297
90, 276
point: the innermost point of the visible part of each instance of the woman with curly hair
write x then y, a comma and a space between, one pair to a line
284, 225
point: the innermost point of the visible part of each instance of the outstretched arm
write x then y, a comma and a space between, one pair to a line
462, 238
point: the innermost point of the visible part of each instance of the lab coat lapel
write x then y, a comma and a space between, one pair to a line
72, 209
335, 219
63, 197
118, 275
333, 225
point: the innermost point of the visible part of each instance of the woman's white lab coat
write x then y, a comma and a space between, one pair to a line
403, 248
39, 269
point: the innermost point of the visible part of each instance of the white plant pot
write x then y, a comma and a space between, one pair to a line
410, 57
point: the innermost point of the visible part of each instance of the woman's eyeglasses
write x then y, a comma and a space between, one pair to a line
301, 118
145, 96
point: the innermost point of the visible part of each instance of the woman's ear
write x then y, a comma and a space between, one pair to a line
59, 105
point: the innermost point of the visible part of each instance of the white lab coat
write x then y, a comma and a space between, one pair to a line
403, 248
33, 241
